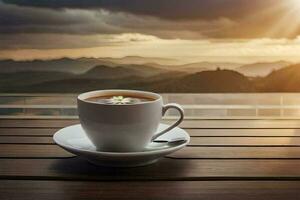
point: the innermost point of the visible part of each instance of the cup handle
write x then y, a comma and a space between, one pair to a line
164, 110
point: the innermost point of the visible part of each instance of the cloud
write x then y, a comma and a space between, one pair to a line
168, 9
57, 24
21, 20
67, 41
16, 19
256, 50
186, 19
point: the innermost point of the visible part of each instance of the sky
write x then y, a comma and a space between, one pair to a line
188, 30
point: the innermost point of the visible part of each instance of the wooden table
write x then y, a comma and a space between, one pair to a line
226, 159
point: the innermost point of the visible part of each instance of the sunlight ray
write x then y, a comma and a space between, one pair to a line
289, 23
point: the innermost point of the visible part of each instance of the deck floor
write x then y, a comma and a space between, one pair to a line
226, 159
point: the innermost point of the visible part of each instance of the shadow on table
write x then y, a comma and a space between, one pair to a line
79, 169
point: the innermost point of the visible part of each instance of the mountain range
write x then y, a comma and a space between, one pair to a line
82, 74
261, 69
139, 60
81, 65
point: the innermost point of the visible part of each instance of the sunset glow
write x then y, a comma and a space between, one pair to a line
193, 31
155, 45
295, 4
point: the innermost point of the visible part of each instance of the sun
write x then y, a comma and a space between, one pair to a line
289, 22
295, 4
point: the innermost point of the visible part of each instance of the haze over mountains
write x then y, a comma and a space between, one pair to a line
154, 74
261, 69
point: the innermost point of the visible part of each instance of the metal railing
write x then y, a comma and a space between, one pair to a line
224, 105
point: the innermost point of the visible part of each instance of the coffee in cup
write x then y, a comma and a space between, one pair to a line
119, 99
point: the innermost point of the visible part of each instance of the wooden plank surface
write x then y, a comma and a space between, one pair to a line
247, 124
26, 140
28, 131
37, 123
253, 132
167, 169
195, 141
32, 151
238, 153
135, 190
223, 156
193, 132
245, 141
53, 151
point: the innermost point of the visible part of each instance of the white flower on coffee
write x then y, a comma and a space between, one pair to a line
120, 100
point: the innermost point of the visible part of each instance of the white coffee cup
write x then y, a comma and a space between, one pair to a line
123, 128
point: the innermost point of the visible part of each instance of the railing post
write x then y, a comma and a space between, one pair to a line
281, 106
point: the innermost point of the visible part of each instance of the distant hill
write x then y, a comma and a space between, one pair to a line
80, 65
283, 80
147, 70
261, 69
74, 85
205, 66
77, 75
138, 60
76, 66
206, 81
105, 72
14, 81
81, 83
17, 81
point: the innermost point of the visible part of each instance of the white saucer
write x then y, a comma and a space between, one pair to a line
74, 140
